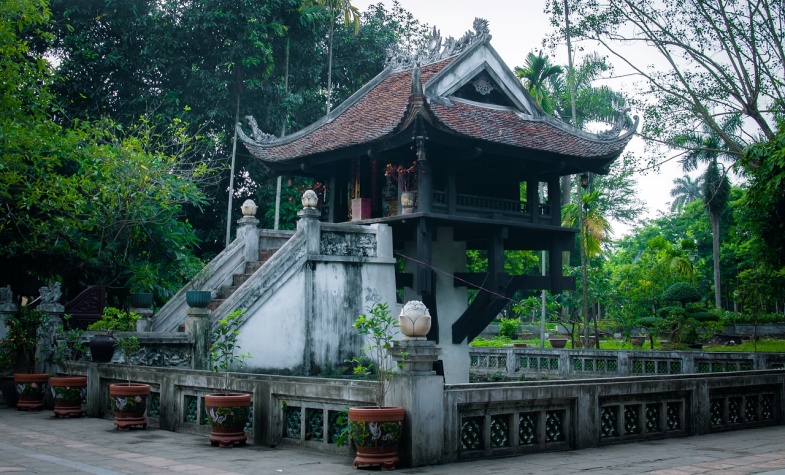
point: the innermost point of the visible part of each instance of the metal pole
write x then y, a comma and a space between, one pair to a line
542, 315
277, 203
231, 176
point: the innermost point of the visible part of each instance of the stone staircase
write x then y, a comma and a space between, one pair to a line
226, 291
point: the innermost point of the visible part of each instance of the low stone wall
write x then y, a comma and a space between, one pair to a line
502, 419
285, 410
536, 363
449, 423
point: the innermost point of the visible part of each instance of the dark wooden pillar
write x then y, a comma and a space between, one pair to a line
497, 280
424, 178
554, 200
533, 198
424, 240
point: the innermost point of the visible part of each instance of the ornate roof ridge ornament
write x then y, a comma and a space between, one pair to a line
257, 136
434, 50
621, 123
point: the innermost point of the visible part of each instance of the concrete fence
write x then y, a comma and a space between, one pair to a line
536, 363
447, 423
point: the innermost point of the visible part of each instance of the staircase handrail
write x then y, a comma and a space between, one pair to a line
271, 275
229, 261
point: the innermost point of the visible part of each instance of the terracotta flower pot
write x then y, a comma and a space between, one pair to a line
30, 388
228, 414
376, 432
67, 394
558, 342
129, 402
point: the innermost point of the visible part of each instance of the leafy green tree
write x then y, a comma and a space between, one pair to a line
764, 205
714, 59
335, 9
88, 200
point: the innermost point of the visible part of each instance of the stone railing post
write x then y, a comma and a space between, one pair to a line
50, 304
309, 221
418, 389
7, 307
198, 326
248, 231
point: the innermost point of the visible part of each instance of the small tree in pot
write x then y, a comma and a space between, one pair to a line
68, 391
228, 412
376, 430
18, 351
129, 400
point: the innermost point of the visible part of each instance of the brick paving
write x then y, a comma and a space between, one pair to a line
37, 442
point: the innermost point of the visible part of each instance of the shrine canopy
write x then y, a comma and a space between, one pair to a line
456, 117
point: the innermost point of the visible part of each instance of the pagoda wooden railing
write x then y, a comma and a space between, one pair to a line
474, 204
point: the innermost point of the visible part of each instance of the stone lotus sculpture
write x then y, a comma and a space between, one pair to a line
309, 199
414, 320
249, 208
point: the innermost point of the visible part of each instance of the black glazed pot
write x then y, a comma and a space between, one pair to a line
198, 298
141, 299
102, 348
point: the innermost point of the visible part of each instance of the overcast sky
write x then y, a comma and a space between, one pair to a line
518, 27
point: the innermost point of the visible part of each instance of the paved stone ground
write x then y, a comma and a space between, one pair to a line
37, 442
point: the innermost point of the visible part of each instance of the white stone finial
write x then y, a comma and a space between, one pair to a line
310, 200
249, 208
414, 320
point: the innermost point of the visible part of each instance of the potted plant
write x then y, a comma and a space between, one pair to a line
228, 412
19, 352
113, 320
68, 391
376, 430
129, 400
142, 284
406, 178
558, 341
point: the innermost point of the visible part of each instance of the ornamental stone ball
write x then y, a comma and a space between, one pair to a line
249, 208
414, 320
310, 200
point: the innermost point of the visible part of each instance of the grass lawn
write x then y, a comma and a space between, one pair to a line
764, 346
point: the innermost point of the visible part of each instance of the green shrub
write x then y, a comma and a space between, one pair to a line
115, 320
508, 327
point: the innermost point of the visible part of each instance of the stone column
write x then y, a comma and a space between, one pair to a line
418, 389
50, 304
309, 221
198, 326
248, 231
144, 324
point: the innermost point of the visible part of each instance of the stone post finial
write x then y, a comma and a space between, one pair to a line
309, 199
249, 208
414, 320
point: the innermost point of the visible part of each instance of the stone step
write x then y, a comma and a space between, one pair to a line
253, 266
239, 279
226, 291
215, 303
266, 254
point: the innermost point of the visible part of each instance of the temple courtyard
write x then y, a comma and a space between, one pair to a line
36, 442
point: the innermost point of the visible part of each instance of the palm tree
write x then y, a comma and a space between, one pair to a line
538, 76
335, 8
708, 147
685, 190
594, 230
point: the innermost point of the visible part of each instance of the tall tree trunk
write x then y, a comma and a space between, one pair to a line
565, 180
330, 61
715, 231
